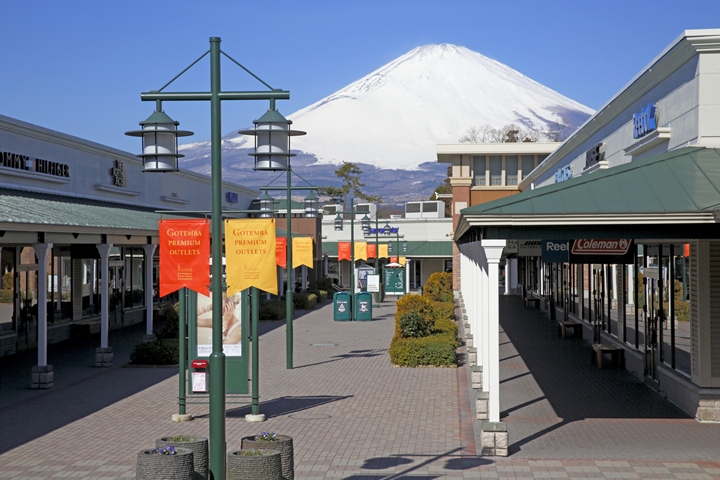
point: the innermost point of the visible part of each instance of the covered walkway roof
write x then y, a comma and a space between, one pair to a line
646, 198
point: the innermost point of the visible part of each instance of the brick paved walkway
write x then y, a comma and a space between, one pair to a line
353, 416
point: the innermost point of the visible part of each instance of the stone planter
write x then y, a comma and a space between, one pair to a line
165, 467
254, 467
199, 447
284, 443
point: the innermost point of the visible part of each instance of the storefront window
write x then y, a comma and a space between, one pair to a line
496, 170
134, 267
528, 165
479, 167
511, 169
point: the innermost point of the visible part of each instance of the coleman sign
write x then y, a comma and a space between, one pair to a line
588, 250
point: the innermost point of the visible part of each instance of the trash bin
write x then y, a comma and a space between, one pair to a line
363, 306
342, 303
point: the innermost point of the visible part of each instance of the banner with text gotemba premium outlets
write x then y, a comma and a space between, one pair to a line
343, 251
360, 250
281, 251
250, 255
184, 255
302, 251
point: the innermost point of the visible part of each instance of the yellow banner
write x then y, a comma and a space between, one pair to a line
383, 250
401, 261
250, 255
360, 250
302, 251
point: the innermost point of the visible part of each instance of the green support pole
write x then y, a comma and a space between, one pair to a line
255, 301
377, 257
352, 259
289, 269
217, 357
182, 354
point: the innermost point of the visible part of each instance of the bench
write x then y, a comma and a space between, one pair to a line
599, 349
536, 301
565, 325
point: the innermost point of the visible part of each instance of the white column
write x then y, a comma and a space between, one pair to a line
631, 284
507, 276
542, 279
93, 279
493, 250
42, 251
59, 274
104, 250
614, 282
484, 310
149, 252
513, 274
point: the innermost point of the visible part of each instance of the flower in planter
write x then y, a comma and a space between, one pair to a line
252, 453
266, 437
165, 451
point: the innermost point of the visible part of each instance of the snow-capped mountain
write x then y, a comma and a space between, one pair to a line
394, 117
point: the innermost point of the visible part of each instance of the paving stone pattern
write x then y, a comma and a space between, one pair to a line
353, 416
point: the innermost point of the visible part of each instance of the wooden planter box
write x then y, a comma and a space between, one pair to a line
284, 443
256, 467
165, 467
199, 446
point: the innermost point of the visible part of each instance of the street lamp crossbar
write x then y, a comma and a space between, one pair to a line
198, 96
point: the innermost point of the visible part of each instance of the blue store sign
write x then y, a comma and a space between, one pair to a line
644, 122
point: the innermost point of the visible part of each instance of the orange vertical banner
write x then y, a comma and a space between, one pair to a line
343, 251
371, 250
184, 255
302, 251
281, 251
360, 250
250, 253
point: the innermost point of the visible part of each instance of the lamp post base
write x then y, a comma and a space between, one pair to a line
181, 417
260, 417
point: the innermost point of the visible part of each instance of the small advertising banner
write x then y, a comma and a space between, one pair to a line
302, 252
231, 324
371, 250
361, 251
373, 283
184, 255
383, 253
250, 255
402, 261
343, 251
281, 251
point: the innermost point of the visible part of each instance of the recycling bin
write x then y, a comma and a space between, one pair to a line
342, 303
363, 306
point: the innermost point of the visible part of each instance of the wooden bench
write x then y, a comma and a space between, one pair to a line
530, 300
565, 325
600, 349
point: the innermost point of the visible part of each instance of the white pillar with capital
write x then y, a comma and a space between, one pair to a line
494, 437
104, 355
149, 252
42, 373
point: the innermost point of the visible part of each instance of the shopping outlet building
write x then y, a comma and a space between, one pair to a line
617, 231
79, 236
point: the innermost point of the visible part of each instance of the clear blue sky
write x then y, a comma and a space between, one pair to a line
79, 66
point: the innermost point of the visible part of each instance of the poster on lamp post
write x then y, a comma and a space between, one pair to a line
250, 254
184, 255
302, 252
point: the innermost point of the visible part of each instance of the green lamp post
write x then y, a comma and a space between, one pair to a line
366, 231
159, 135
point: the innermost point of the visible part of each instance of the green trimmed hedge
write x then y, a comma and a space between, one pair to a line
274, 310
415, 352
438, 287
159, 352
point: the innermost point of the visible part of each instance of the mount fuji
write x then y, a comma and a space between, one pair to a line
393, 119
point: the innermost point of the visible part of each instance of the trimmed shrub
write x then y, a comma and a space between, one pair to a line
444, 310
6, 296
412, 324
169, 318
415, 352
325, 284
274, 310
159, 352
304, 301
439, 287
7, 281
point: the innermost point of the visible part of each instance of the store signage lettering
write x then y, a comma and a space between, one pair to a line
562, 174
555, 251
592, 246
644, 122
595, 155
23, 162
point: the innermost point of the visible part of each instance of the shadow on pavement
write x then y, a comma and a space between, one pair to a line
350, 354
285, 406
453, 461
